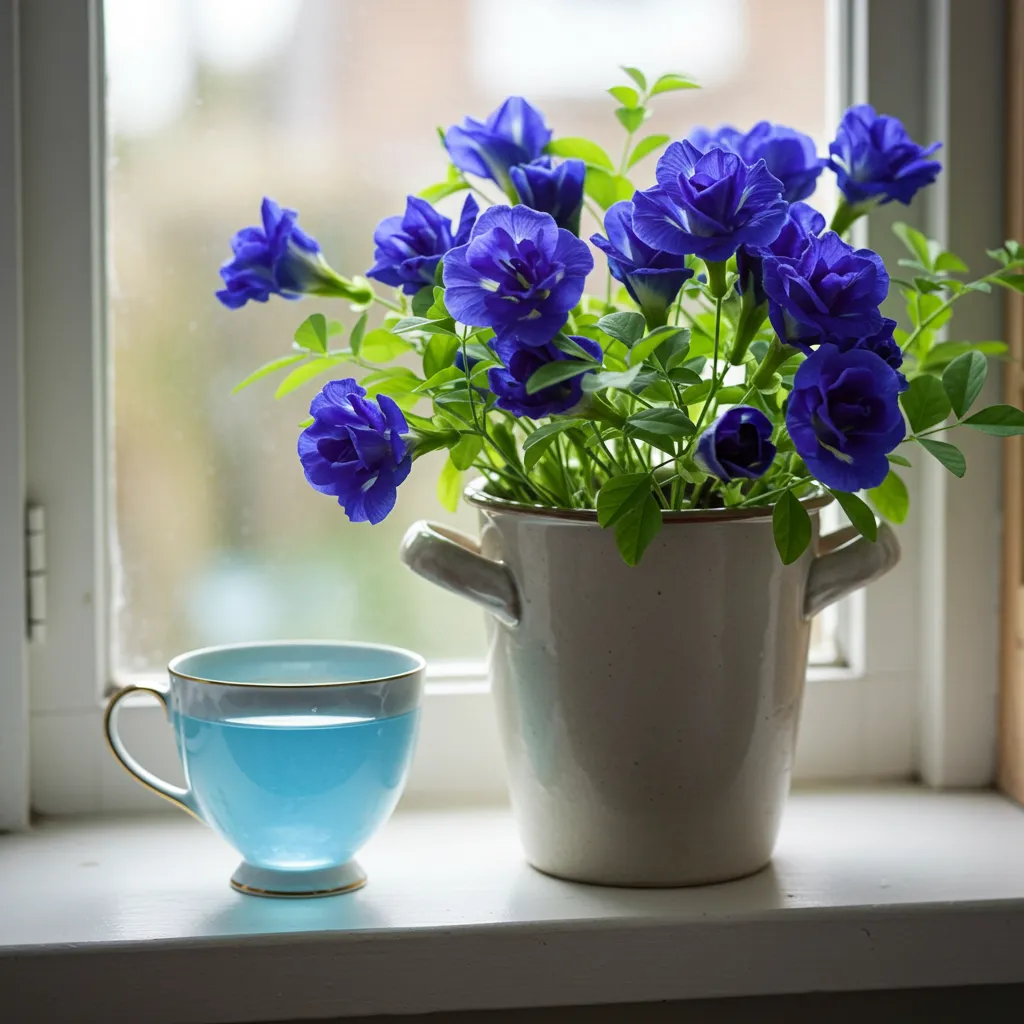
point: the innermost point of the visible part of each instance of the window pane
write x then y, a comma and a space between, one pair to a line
330, 106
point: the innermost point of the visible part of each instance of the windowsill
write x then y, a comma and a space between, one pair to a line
132, 919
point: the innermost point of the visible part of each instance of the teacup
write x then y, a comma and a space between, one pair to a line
294, 752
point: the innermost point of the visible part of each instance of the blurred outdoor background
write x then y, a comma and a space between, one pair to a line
330, 106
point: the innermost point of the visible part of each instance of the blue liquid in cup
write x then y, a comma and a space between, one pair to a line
297, 793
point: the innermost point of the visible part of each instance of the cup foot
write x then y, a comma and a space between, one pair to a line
254, 881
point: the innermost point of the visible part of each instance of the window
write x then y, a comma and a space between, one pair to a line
177, 514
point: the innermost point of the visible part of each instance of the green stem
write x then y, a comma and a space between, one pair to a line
387, 303
714, 377
716, 279
761, 499
776, 355
846, 213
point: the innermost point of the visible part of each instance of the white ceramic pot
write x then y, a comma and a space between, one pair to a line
648, 714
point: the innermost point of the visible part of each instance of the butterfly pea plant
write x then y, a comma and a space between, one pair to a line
734, 356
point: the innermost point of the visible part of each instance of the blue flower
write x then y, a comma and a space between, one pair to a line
514, 134
737, 445
278, 258
410, 247
651, 277
555, 190
829, 290
844, 417
509, 381
802, 221
875, 158
520, 274
355, 450
882, 343
789, 155
708, 204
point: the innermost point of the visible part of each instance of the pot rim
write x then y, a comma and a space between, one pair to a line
476, 494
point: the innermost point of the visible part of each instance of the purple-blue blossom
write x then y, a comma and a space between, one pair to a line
876, 159
557, 190
520, 274
829, 289
515, 133
409, 247
356, 450
802, 221
708, 204
843, 416
508, 382
652, 278
738, 445
882, 343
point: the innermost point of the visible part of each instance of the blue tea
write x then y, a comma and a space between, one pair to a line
297, 792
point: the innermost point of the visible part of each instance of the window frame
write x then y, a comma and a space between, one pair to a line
918, 694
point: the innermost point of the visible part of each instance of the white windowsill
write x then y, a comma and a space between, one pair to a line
132, 919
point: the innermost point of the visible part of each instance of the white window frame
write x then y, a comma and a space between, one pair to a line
918, 693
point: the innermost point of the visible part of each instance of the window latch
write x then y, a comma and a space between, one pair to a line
35, 573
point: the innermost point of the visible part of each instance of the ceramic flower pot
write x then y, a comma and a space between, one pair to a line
648, 714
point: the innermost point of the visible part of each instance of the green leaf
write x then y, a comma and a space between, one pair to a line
915, 242
421, 323
898, 460
573, 348
890, 498
381, 346
449, 485
434, 193
646, 145
948, 262
439, 353
581, 149
671, 82
275, 364
306, 372
466, 451
620, 494
999, 420
311, 334
948, 454
554, 373
663, 420
637, 75
422, 301
635, 531
925, 403
858, 513
542, 438
626, 95
963, 380
625, 327
307, 422
605, 188
946, 351
691, 396
653, 341
791, 527
632, 117
1014, 282
355, 339
730, 395
610, 379
446, 375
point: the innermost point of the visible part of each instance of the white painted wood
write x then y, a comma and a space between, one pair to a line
14, 759
868, 890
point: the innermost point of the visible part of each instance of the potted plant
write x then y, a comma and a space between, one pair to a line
651, 459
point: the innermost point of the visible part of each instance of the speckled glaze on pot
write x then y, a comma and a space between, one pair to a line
648, 714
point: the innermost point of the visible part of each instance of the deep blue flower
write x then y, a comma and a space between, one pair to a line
844, 417
737, 445
508, 382
651, 277
408, 248
355, 450
789, 155
278, 258
555, 190
520, 274
829, 290
875, 158
882, 343
802, 221
514, 134
708, 204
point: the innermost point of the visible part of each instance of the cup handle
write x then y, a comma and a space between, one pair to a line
842, 567
179, 797
453, 561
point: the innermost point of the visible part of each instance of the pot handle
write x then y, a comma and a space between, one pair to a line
842, 567
452, 560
